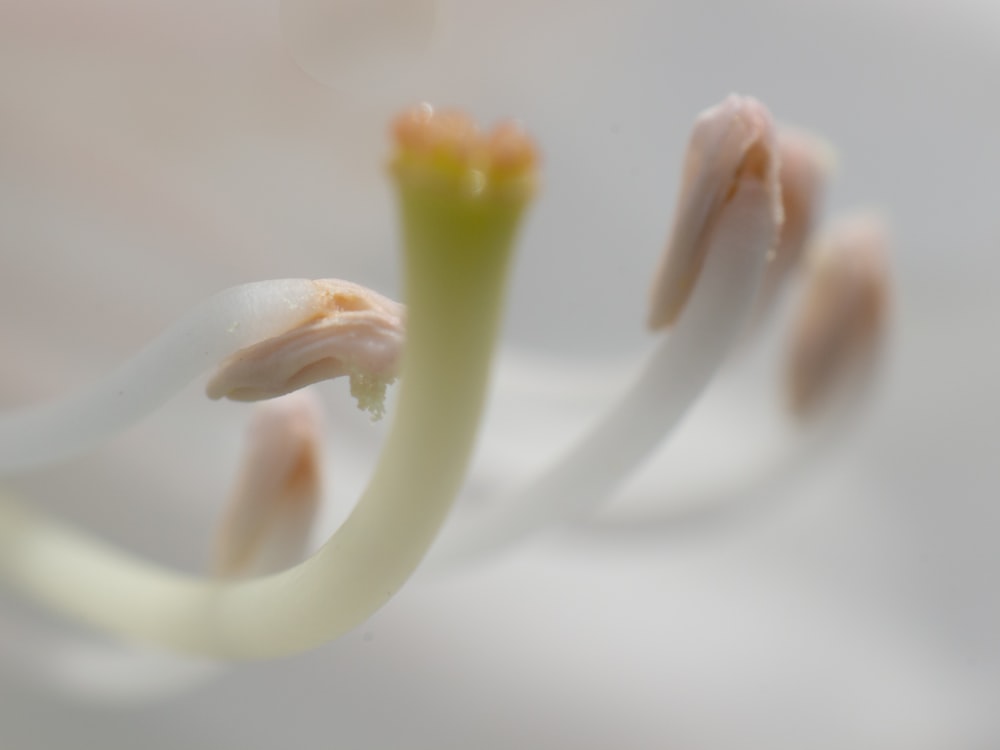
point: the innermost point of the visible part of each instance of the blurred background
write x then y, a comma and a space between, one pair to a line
153, 153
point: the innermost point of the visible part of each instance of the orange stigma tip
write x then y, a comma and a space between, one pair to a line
450, 141
511, 149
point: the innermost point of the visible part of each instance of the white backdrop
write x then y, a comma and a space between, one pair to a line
153, 153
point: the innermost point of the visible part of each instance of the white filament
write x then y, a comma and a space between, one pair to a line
676, 374
222, 325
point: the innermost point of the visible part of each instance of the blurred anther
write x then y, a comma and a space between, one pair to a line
277, 492
837, 333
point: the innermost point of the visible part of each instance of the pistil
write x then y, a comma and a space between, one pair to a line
462, 194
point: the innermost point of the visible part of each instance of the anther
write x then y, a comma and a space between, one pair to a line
274, 500
843, 317
731, 143
355, 333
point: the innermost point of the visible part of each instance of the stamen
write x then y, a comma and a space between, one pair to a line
734, 236
845, 306
730, 142
222, 325
835, 348
276, 495
357, 333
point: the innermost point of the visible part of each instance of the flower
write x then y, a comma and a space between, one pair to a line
134, 188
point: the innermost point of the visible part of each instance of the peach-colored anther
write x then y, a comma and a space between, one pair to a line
354, 332
731, 142
270, 513
837, 333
